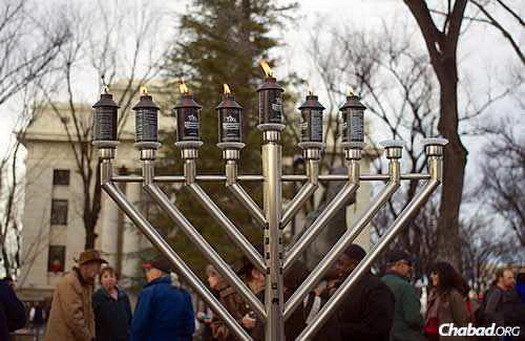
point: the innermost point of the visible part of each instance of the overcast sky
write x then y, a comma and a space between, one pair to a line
481, 49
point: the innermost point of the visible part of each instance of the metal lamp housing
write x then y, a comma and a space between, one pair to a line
353, 120
270, 102
311, 120
229, 114
105, 120
187, 112
146, 120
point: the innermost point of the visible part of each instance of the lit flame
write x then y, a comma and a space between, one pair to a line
310, 92
266, 68
226, 89
144, 90
350, 91
183, 88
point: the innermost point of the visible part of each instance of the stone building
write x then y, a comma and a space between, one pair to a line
53, 232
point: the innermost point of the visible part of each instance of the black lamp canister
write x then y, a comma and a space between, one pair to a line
146, 119
353, 119
270, 99
311, 119
105, 121
229, 114
187, 112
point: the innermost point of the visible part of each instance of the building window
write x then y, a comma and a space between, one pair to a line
56, 258
61, 177
59, 212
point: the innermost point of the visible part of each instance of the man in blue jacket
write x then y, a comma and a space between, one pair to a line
164, 311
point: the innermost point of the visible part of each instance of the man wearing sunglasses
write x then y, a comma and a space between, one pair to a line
408, 321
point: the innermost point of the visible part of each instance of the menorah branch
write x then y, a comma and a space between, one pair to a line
342, 197
156, 239
305, 193
222, 267
393, 154
232, 231
434, 151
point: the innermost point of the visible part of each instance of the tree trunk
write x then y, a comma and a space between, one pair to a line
455, 161
7, 264
91, 236
92, 207
442, 49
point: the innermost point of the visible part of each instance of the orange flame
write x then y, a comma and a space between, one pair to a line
183, 88
144, 90
350, 91
227, 90
266, 68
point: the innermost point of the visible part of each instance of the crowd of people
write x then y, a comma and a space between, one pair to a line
386, 307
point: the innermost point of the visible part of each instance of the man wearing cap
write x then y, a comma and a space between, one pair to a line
367, 312
408, 321
164, 311
71, 317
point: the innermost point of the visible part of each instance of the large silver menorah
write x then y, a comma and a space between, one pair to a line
273, 217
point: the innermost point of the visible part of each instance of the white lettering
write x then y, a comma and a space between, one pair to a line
442, 331
448, 329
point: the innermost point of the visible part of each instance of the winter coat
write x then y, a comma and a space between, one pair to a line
112, 317
408, 321
451, 308
163, 312
12, 312
235, 305
71, 317
367, 312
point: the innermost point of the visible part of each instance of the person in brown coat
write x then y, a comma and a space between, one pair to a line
231, 301
71, 317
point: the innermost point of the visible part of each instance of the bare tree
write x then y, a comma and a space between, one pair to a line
28, 46
113, 48
441, 38
487, 15
483, 247
396, 83
11, 181
504, 177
